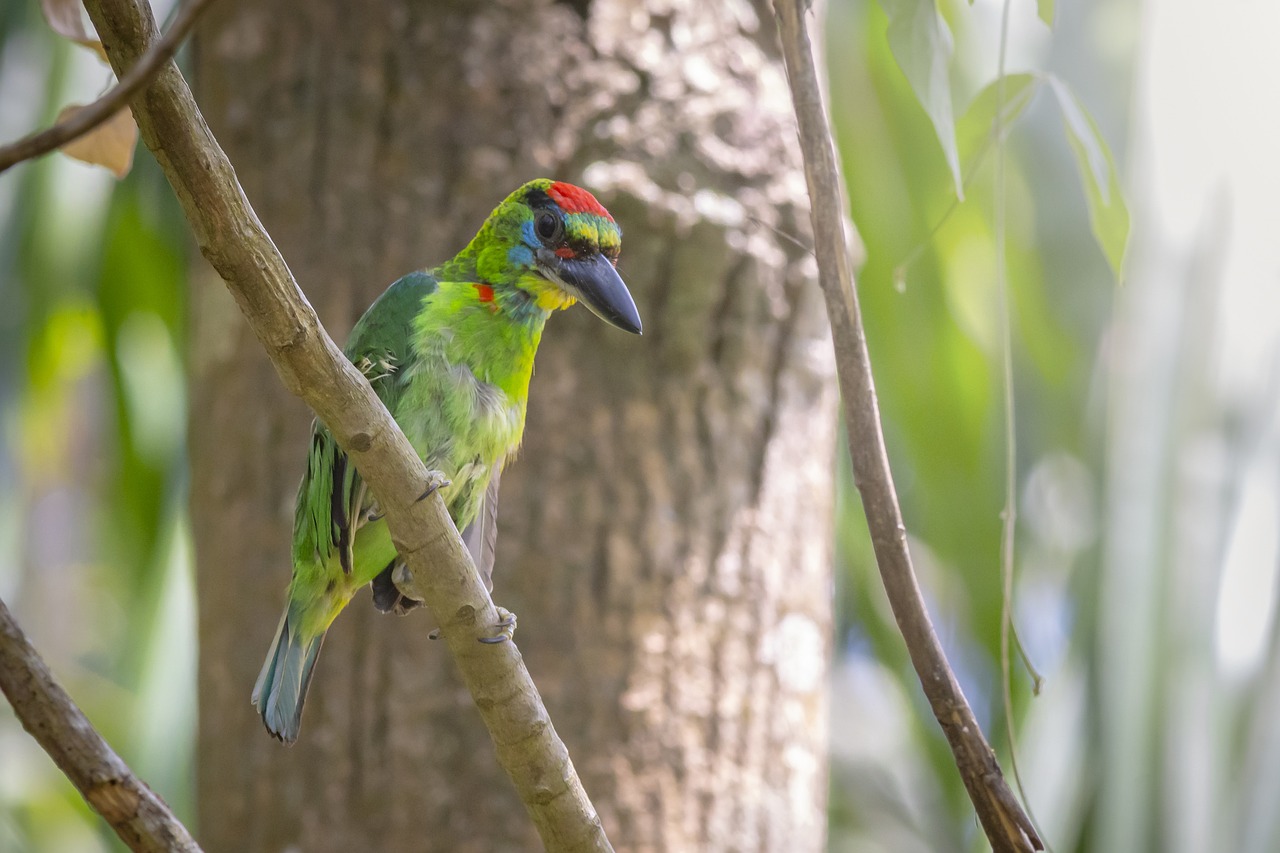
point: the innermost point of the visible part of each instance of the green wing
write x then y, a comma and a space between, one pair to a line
332, 503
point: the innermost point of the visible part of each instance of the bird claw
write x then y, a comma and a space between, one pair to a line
436, 480
506, 627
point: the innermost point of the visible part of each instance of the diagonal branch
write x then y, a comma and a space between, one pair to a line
311, 366
138, 816
1007, 826
116, 98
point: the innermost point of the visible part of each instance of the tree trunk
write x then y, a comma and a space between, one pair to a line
664, 535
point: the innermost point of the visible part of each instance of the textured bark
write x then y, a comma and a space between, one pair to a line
664, 535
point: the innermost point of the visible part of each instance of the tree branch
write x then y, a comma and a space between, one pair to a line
139, 817
311, 366
1007, 827
85, 120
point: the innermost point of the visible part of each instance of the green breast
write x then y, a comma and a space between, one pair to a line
463, 404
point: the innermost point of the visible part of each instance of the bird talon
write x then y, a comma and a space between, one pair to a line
435, 481
506, 628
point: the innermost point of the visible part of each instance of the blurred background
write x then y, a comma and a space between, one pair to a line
1145, 403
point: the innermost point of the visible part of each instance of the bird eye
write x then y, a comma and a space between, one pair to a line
549, 227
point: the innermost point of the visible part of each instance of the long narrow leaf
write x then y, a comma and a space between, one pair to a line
921, 43
1108, 212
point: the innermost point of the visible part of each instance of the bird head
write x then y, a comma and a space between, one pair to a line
563, 246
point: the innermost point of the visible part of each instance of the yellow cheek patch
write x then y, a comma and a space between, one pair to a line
552, 298
547, 295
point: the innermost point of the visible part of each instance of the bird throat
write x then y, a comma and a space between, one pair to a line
493, 331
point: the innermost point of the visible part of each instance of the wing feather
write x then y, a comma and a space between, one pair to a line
332, 499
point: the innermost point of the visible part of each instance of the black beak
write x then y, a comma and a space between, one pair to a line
597, 284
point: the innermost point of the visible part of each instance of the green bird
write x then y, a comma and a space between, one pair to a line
450, 352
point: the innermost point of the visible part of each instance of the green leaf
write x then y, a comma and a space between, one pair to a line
921, 44
1108, 213
976, 129
1045, 9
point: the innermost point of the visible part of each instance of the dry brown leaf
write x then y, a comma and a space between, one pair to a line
109, 144
67, 19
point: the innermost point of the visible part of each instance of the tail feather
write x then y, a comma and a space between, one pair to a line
282, 685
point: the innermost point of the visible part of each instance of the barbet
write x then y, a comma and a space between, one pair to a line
450, 352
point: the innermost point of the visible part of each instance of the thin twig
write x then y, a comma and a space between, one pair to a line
115, 99
135, 812
1009, 517
311, 366
1006, 825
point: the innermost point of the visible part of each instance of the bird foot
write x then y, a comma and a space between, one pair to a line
387, 596
436, 480
405, 605
506, 627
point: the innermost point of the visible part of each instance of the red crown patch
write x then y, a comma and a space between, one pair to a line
576, 200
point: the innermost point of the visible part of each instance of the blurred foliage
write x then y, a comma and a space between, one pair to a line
1138, 527
92, 414
929, 293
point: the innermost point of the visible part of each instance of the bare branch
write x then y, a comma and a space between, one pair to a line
312, 366
139, 817
1006, 825
116, 98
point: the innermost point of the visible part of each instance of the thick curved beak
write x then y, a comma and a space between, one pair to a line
598, 286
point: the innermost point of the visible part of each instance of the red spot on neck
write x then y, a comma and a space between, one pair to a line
484, 292
566, 252
576, 200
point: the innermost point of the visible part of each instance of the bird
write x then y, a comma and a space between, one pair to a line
449, 351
